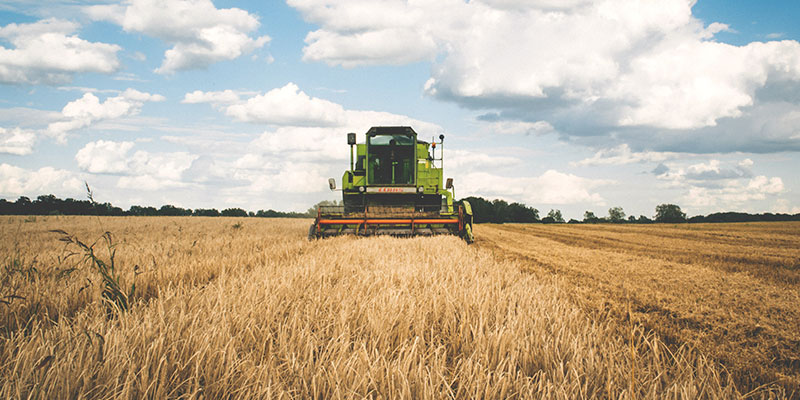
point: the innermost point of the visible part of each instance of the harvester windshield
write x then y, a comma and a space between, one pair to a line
390, 159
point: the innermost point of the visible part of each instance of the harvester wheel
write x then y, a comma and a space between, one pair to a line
312, 232
468, 234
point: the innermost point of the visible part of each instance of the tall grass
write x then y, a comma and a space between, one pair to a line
279, 317
116, 295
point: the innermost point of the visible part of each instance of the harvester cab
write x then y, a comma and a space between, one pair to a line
394, 187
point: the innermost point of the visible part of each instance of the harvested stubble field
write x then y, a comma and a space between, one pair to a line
731, 291
247, 308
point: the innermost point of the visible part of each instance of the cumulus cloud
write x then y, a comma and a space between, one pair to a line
304, 142
140, 170
16, 181
622, 155
200, 33
17, 141
218, 98
716, 184
517, 127
288, 106
650, 69
784, 206
735, 193
48, 52
303, 128
89, 109
467, 160
706, 173
104, 157
551, 187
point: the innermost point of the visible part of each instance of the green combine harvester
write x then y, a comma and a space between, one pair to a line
393, 187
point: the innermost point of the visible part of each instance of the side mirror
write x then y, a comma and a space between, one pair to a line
332, 183
351, 138
449, 184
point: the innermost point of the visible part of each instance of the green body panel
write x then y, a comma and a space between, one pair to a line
394, 187
427, 175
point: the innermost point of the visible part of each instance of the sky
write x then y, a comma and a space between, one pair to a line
573, 105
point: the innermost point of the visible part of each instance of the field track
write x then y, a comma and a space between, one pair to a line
730, 290
248, 308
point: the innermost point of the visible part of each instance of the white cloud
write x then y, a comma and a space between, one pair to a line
622, 155
785, 207
520, 128
385, 46
304, 145
141, 170
735, 193
200, 33
366, 32
721, 185
552, 187
17, 141
88, 109
16, 181
583, 65
104, 157
693, 84
280, 176
222, 97
47, 52
466, 160
288, 106
306, 129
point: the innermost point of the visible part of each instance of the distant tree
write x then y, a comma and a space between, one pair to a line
632, 219
23, 205
548, 220
108, 209
482, 209
169, 209
616, 215
201, 212
643, 220
556, 216
670, 213
280, 214
312, 212
142, 211
696, 219
520, 213
589, 217
47, 204
233, 212
500, 211
574, 221
6, 207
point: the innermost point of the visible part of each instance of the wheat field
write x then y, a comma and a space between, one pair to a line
191, 307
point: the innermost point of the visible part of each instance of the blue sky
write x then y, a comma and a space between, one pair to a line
572, 105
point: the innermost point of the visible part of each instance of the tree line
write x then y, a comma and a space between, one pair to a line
492, 211
500, 211
52, 205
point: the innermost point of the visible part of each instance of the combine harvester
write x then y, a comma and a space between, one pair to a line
394, 188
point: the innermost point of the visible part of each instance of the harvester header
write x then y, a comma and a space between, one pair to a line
394, 187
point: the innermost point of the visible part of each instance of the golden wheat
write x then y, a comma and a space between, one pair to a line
730, 290
259, 312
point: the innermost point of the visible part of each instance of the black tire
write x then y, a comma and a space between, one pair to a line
312, 232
